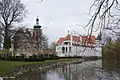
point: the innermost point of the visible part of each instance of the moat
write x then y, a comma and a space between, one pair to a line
90, 70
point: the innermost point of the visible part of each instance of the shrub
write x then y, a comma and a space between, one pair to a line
19, 58
111, 54
22, 57
40, 57
0, 56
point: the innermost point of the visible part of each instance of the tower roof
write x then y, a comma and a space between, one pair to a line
37, 23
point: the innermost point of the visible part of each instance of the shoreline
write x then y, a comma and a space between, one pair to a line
19, 70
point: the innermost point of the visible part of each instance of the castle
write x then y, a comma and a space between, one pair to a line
28, 42
73, 45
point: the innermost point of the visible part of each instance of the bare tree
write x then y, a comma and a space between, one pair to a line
105, 17
10, 11
15, 37
53, 45
44, 41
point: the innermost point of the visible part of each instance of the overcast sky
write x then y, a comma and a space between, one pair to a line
58, 16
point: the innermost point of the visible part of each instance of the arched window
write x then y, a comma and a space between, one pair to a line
63, 49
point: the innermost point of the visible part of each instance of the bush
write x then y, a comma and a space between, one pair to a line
46, 56
40, 57
54, 56
22, 57
0, 56
111, 55
36, 57
19, 58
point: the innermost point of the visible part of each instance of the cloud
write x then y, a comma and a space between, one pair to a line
56, 16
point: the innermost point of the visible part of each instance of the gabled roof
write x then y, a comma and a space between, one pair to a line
85, 38
67, 37
76, 39
59, 42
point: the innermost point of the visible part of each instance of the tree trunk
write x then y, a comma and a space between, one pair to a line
7, 40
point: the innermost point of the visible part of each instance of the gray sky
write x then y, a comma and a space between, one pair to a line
58, 16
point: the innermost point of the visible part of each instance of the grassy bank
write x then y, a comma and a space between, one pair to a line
6, 66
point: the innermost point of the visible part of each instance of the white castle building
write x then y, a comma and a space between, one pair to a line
78, 46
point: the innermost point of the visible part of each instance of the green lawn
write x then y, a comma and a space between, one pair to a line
6, 66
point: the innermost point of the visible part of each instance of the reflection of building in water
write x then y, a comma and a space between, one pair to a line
91, 70
28, 42
78, 46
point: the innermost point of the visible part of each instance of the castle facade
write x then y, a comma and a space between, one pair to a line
28, 42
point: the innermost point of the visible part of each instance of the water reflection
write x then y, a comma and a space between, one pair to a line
53, 75
91, 70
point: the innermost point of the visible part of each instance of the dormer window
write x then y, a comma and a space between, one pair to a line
66, 43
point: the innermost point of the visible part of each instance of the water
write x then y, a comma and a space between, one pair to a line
1, 78
91, 70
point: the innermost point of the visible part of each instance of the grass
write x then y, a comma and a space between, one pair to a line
6, 66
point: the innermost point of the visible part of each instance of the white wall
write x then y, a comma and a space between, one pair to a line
78, 51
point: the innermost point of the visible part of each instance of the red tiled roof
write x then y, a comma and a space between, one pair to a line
90, 39
67, 37
76, 39
59, 42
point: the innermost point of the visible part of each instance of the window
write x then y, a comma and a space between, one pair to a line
66, 43
69, 49
66, 49
63, 49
